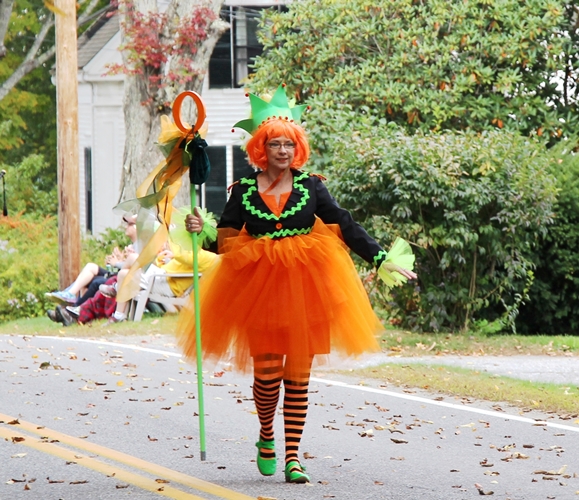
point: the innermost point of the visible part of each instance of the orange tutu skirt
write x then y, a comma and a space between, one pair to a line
299, 296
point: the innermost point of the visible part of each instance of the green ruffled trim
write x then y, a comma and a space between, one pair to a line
179, 235
208, 233
400, 255
285, 232
286, 213
382, 254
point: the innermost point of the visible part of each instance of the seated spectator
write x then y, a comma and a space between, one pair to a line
92, 275
171, 260
104, 304
97, 307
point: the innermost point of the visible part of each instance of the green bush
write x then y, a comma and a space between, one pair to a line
473, 205
31, 187
555, 291
29, 262
28, 265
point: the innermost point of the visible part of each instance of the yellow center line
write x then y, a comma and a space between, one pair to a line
91, 463
133, 462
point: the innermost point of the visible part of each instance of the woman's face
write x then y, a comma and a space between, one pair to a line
280, 152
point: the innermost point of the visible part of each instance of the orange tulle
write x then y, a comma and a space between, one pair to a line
300, 296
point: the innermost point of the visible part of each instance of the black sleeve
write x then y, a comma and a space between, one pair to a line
355, 236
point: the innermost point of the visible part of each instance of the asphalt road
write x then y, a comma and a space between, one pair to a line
97, 419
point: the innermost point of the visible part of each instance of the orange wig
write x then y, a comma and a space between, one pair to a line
276, 128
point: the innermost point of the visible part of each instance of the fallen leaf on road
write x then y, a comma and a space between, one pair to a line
399, 441
481, 490
552, 472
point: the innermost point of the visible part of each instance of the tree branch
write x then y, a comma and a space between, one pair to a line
5, 10
33, 60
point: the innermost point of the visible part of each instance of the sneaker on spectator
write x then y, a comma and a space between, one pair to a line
75, 311
108, 291
64, 298
117, 318
64, 316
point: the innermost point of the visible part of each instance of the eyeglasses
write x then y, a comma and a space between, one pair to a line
277, 145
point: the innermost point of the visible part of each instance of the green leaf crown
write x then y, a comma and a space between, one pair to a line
263, 110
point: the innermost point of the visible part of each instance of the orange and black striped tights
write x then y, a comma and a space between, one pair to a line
269, 371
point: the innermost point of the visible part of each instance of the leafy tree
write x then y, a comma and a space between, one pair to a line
429, 66
28, 100
164, 53
27, 37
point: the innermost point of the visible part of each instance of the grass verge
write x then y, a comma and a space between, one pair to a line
165, 325
465, 383
420, 344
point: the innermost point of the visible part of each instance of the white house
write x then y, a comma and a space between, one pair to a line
101, 119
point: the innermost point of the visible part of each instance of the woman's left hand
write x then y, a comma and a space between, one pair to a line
411, 275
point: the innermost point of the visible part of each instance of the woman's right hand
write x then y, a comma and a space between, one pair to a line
194, 222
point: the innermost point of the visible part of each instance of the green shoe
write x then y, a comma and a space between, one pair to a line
296, 473
266, 466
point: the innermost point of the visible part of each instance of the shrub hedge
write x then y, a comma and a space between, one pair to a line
553, 303
473, 205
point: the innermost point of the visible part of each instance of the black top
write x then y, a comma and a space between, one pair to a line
309, 198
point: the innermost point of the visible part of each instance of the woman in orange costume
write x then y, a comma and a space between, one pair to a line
285, 288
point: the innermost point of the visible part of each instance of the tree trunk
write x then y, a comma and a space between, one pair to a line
142, 121
142, 126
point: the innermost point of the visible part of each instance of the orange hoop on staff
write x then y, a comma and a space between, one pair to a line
201, 114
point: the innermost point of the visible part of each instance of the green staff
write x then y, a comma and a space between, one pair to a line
194, 145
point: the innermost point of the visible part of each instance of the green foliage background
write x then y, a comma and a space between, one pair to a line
555, 292
428, 66
432, 121
473, 205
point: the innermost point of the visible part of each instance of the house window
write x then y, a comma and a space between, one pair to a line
216, 185
215, 189
241, 167
236, 49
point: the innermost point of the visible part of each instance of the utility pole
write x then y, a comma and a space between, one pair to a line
69, 246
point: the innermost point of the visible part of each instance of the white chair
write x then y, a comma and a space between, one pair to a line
170, 304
